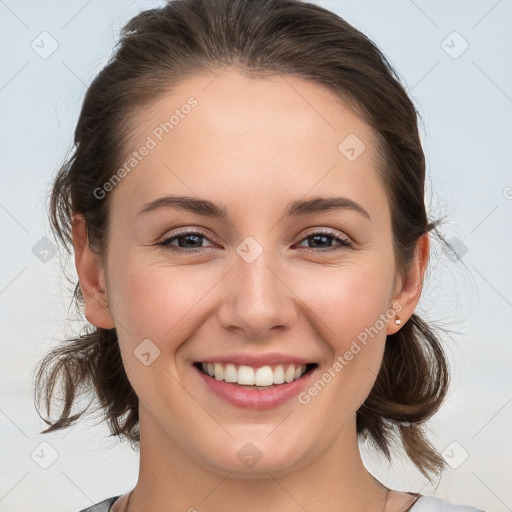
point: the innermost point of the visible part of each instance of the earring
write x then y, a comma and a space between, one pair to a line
397, 320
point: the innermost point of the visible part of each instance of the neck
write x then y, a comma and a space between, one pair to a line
171, 480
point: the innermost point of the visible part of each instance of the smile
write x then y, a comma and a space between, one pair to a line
264, 376
255, 388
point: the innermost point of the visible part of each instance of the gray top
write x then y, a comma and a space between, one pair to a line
422, 504
103, 506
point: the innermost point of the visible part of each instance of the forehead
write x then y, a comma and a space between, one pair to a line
228, 135
232, 105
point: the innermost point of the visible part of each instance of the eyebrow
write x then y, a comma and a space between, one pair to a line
296, 208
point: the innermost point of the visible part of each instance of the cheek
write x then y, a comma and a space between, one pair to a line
351, 304
158, 301
155, 302
348, 300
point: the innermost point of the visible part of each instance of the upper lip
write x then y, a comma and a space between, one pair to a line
256, 360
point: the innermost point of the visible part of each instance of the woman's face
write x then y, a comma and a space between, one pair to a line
257, 286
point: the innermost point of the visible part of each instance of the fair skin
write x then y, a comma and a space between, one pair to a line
253, 145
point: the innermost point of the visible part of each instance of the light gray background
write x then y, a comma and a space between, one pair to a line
466, 105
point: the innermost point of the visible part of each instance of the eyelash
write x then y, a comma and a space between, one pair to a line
344, 243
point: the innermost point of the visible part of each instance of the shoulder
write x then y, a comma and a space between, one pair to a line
434, 504
102, 506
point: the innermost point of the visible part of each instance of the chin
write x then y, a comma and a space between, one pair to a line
255, 459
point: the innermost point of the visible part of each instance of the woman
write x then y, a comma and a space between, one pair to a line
246, 207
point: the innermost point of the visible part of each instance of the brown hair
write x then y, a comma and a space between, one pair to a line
158, 48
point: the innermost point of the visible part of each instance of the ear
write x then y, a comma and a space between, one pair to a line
408, 291
91, 277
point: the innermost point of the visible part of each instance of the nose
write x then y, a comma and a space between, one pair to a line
257, 300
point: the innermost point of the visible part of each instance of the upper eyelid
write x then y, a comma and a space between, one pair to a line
309, 232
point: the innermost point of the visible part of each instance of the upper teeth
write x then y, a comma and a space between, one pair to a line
248, 376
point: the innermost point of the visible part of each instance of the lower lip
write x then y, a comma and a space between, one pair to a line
259, 399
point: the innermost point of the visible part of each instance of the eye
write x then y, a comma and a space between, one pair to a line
191, 241
186, 240
323, 237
